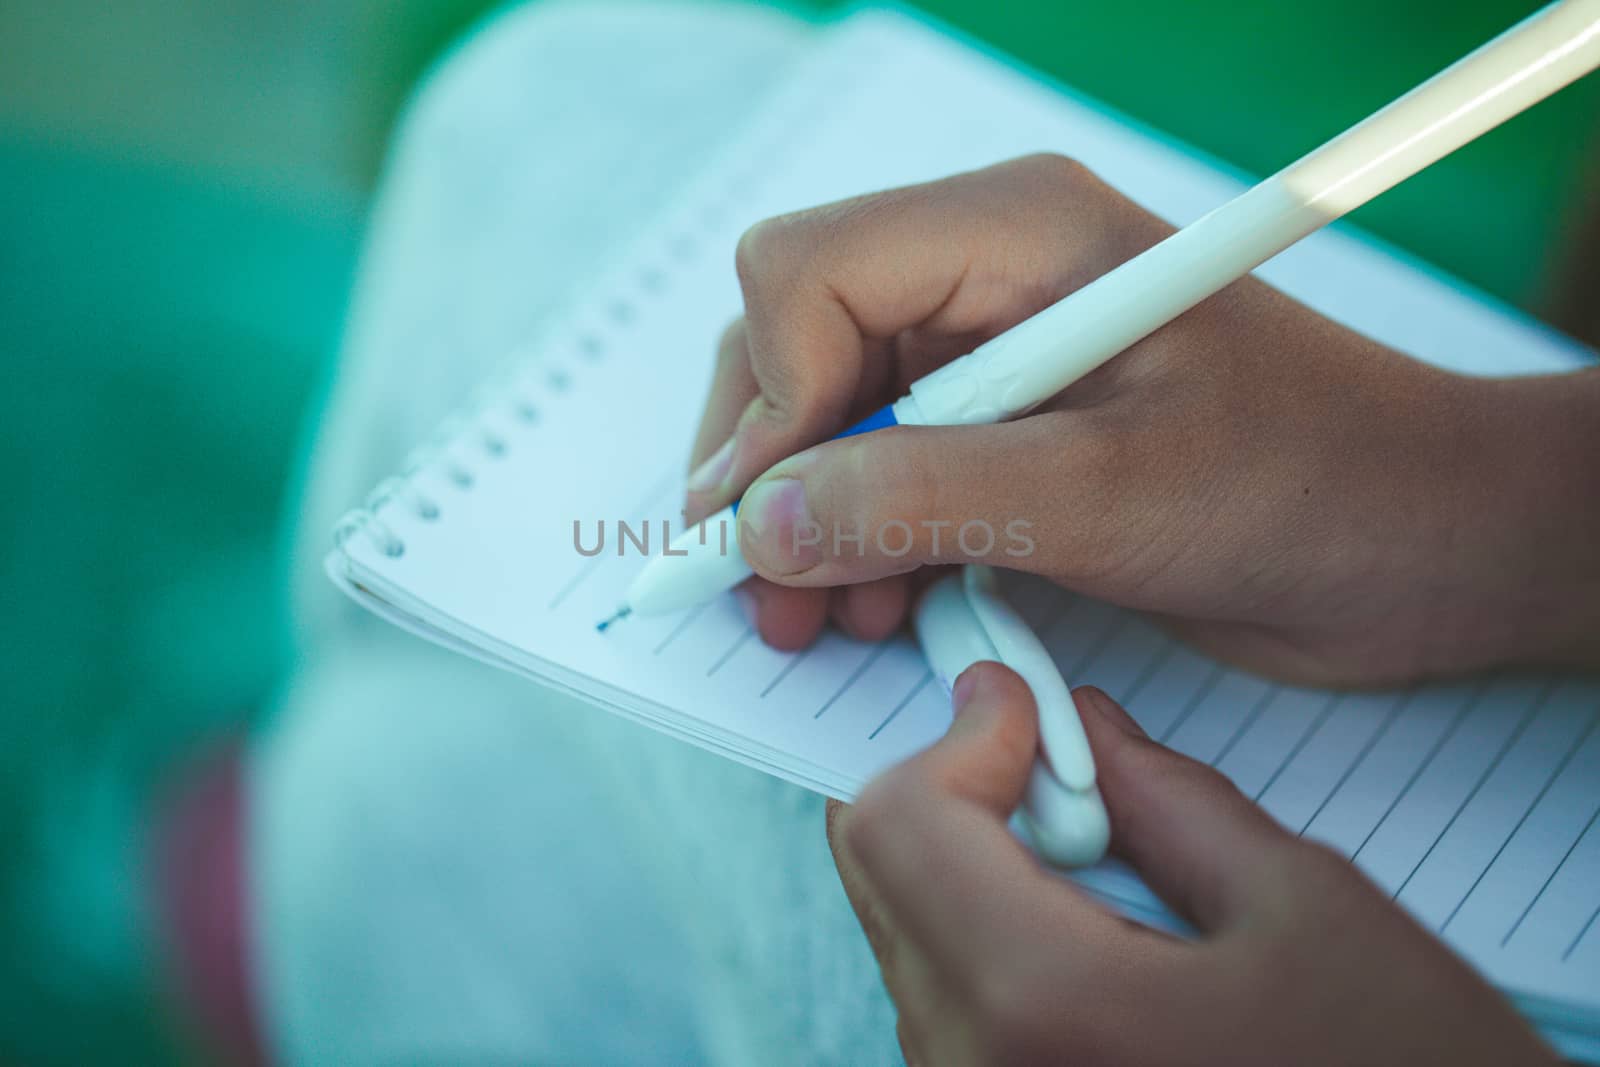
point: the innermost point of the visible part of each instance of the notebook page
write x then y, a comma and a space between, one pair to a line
1475, 804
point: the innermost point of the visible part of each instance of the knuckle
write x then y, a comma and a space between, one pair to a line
1055, 167
763, 248
784, 247
1099, 224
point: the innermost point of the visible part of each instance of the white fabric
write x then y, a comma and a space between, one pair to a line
450, 864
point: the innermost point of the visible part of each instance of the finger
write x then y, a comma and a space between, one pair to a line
822, 294
873, 610
1039, 494
787, 619
869, 912
913, 984
733, 386
986, 755
1204, 847
909, 1050
930, 841
852, 301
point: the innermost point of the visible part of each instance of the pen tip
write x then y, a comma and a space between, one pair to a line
606, 624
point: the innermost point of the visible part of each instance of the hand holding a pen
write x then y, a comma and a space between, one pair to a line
990, 958
1279, 490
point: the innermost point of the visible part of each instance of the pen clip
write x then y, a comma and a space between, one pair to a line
1061, 738
1062, 812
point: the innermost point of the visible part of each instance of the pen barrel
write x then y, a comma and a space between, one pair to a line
701, 562
1038, 358
1546, 51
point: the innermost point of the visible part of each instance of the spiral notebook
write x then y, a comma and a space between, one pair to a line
1475, 804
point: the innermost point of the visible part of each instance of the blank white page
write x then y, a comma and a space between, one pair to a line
1475, 804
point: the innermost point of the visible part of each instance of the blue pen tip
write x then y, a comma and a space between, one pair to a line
605, 624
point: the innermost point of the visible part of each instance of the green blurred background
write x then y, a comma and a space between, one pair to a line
183, 186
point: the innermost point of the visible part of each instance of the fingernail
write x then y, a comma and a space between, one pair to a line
711, 474
966, 685
776, 531
747, 603
1109, 710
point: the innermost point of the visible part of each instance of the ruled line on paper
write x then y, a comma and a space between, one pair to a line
1097, 646
1566, 759
589, 567
1056, 614
1462, 711
1552, 875
855, 676
1528, 716
657, 491
749, 632
1256, 711
683, 624
788, 668
1389, 720
922, 683
1048, 609
1157, 661
1194, 701
1306, 735
1590, 922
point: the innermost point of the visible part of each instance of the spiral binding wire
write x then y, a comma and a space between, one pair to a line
508, 403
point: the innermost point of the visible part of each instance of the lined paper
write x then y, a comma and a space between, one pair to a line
1475, 804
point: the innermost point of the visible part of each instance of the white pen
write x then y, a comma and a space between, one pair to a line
1036, 359
962, 619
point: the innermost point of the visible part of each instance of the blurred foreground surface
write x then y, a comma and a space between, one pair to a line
182, 192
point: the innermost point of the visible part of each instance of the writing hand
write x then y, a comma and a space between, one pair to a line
1280, 491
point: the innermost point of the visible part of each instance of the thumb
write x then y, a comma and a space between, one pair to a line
986, 754
1203, 846
1020, 495
927, 841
